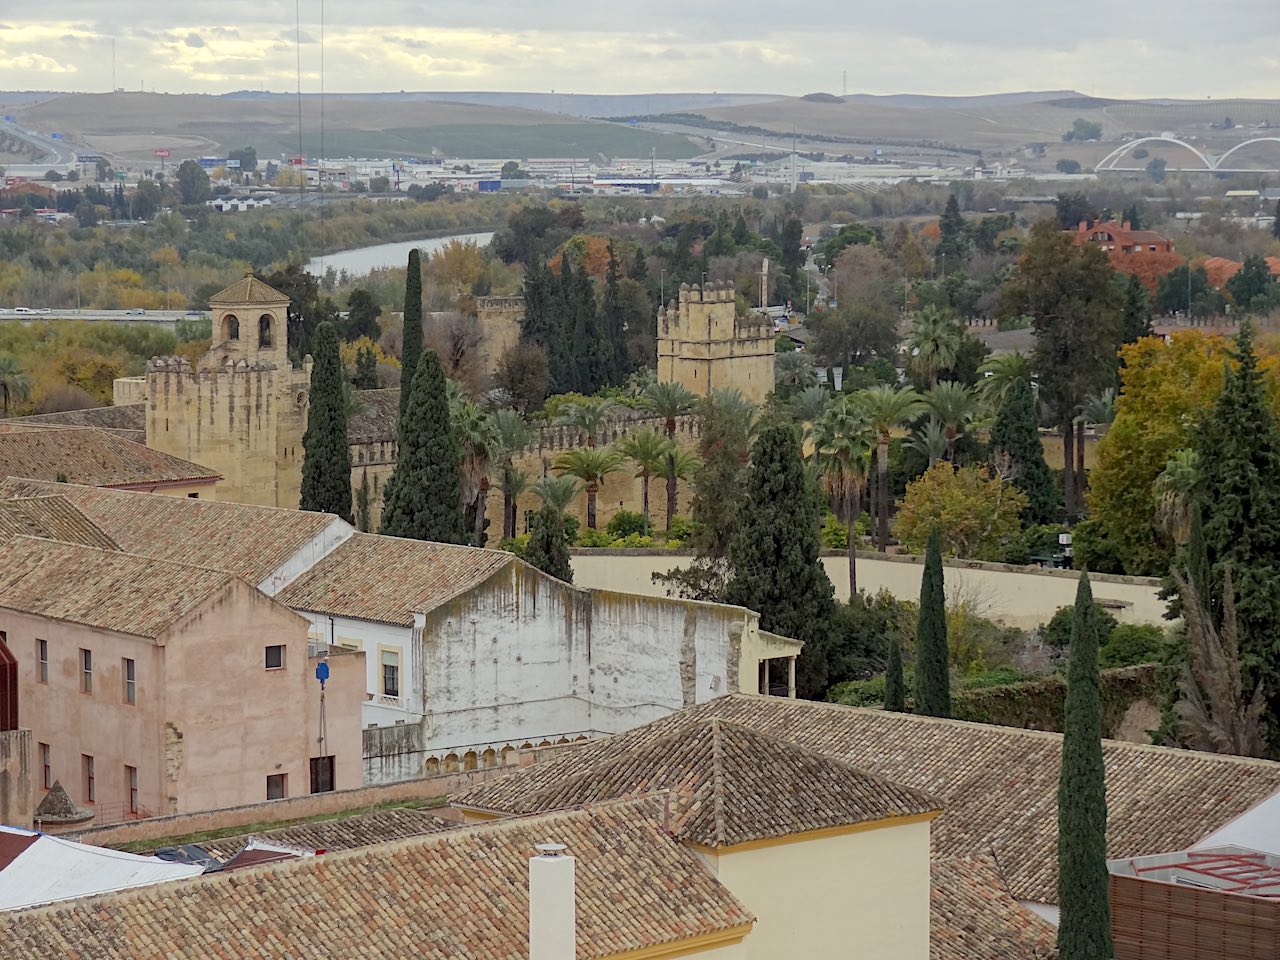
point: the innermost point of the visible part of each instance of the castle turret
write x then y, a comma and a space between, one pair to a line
704, 345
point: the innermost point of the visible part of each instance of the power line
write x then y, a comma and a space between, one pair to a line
302, 180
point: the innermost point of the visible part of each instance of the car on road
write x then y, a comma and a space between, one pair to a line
23, 310
137, 312
44, 310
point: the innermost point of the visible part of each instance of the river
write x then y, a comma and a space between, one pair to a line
361, 260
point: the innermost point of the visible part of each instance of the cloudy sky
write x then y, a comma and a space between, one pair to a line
1177, 48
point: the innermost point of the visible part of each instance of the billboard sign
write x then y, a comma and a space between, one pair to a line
55, 136
10, 118
162, 153
232, 164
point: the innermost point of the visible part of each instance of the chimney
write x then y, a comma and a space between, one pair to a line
552, 917
1126, 226
1084, 226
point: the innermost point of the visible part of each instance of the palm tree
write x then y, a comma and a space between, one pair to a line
933, 344
843, 439
648, 450
589, 415
669, 401
477, 441
558, 493
792, 372
15, 382
591, 466
999, 373
512, 436
930, 441
954, 406
809, 405
1099, 408
888, 408
1174, 491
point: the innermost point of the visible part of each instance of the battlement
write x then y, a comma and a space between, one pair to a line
704, 344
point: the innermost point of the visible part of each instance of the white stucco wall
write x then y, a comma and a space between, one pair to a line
1256, 829
307, 556
855, 895
372, 638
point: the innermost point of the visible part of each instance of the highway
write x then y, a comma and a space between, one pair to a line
160, 318
59, 155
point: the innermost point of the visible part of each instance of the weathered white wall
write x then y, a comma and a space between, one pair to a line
1018, 596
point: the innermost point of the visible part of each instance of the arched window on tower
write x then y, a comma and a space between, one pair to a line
231, 324
264, 330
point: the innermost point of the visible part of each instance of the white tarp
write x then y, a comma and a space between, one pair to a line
51, 870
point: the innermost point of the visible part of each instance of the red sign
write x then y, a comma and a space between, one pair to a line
297, 161
162, 153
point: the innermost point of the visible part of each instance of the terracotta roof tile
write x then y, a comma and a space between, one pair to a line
972, 915
457, 895
730, 784
248, 290
94, 457
248, 541
388, 579
53, 518
102, 588
997, 785
131, 418
344, 833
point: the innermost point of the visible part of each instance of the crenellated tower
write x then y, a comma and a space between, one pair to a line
704, 345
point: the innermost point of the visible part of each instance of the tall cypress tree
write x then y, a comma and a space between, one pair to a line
639, 268
326, 463
364, 517
423, 497
1016, 433
895, 691
933, 672
773, 556
366, 375
548, 550
1084, 928
562, 356
1239, 448
537, 293
1137, 311
412, 348
953, 240
586, 348
613, 361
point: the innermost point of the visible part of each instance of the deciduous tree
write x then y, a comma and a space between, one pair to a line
972, 511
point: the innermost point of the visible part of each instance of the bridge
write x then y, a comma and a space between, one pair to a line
1207, 162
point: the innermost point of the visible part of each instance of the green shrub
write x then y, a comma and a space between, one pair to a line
594, 538
834, 534
681, 528
1057, 632
571, 527
1021, 322
516, 545
624, 523
1132, 643
634, 541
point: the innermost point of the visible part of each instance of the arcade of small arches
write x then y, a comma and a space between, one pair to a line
507, 755
1210, 164
266, 333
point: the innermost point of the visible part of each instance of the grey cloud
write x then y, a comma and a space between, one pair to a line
194, 40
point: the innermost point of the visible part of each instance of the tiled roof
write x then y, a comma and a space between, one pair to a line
998, 786
973, 916
131, 417
375, 419
248, 290
457, 895
53, 518
730, 784
94, 457
248, 541
388, 579
102, 588
344, 833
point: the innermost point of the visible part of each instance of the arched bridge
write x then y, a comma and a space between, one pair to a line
1207, 162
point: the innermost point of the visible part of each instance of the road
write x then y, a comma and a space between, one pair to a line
59, 155
160, 318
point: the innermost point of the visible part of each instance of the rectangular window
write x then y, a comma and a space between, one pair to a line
390, 673
275, 657
277, 786
129, 672
131, 778
46, 766
86, 671
42, 659
90, 789
321, 774
193, 496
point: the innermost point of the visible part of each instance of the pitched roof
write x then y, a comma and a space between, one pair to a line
245, 540
248, 289
458, 894
94, 457
102, 588
388, 579
730, 784
344, 833
375, 419
53, 518
973, 916
131, 418
997, 785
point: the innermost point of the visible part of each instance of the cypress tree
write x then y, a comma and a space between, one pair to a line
773, 556
1137, 311
1016, 434
562, 347
537, 294
612, 334
412, 348
326, 462
548, 550
1084, 929
1239, 448
895, 693
590, 350
364, 522
366, 375
953, 240
639, 267
423, 497
933, 674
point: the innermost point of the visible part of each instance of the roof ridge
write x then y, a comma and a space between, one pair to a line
717, 782
129, 553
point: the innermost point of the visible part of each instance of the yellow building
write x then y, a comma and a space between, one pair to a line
704, 345
243, 410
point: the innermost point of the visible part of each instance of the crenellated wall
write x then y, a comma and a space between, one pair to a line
704, 345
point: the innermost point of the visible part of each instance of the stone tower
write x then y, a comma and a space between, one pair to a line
705, 346
243, 409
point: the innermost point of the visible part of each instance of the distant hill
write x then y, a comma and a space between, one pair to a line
961, 103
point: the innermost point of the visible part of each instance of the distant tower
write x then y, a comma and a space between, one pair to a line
704, 345
243, 410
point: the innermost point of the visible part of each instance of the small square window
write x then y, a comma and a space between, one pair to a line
42, 660
275, 657
277, 786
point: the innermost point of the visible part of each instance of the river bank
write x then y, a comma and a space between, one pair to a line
359, 261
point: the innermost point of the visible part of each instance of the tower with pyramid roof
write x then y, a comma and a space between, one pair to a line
242, 410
